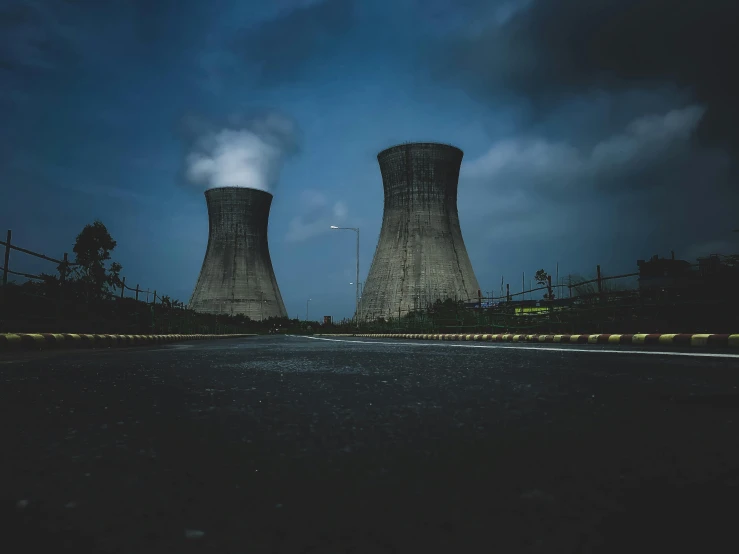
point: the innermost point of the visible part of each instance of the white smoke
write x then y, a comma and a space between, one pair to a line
246, 154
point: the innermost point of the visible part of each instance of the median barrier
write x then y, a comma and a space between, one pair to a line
662, 339
44, 341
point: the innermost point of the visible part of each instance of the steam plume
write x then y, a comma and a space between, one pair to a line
241, 153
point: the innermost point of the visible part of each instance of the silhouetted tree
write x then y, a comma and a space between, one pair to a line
92, 250
543, 278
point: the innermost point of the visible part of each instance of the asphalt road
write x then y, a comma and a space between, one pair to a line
300, 445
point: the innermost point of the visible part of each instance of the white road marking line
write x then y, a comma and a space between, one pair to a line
545, 349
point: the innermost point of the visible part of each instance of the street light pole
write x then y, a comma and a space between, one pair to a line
360, 288
356, 310
356, 295
306, 310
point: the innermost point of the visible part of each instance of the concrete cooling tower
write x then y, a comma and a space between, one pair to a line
420, 255
237, 275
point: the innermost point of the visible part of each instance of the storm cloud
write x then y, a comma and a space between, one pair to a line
556, 49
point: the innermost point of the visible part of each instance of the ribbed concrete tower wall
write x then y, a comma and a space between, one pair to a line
420, 255
237, 275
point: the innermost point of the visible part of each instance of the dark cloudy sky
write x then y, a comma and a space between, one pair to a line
594, 132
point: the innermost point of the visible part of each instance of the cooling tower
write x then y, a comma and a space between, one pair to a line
420, 255
237, 275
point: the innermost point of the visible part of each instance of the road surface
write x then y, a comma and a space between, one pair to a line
299, 445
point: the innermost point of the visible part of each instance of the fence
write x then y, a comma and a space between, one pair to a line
591, 305
524, 306
62, 266
26, 308
600, 281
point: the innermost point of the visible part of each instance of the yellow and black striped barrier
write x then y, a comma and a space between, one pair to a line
41, 341
663, 339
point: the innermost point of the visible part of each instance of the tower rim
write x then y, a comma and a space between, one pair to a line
402, 145
250, 189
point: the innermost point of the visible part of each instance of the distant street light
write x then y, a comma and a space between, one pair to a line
356, 296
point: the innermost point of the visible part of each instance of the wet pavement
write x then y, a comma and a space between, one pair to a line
298, 445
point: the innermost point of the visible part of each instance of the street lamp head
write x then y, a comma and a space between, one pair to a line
334, 227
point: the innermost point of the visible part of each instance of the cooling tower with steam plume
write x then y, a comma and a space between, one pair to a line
239, 163
237, 275
420, 256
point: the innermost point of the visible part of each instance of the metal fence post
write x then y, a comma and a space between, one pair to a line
7, 258
62, 285
3, 292
63, 272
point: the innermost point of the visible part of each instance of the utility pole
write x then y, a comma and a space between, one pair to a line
307, 305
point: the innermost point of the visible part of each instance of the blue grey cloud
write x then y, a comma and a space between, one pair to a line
282, 49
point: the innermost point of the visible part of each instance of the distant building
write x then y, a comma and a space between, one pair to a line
662, 277
668, 278
719, 275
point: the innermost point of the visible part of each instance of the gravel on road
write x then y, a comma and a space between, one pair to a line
293, 445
